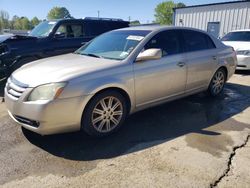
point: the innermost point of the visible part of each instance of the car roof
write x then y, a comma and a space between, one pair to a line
85, 20
159, 28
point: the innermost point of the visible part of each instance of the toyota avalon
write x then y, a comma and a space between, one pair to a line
114, 75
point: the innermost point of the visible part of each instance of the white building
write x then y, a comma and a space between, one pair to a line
218, 18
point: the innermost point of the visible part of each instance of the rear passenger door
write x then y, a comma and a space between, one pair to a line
201, 55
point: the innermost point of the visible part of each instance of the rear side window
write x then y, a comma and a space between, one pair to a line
195, 41
167, 41
70, 30
96, 28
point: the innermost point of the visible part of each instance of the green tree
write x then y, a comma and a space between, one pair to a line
16, 21
164, 12
25, 23
180, 5
35, 21
58, 13
13, 21
135, 22
4, 20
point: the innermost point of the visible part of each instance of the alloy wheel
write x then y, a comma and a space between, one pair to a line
107, 114
218, 82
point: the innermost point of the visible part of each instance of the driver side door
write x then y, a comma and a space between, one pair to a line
68, 38
157, 80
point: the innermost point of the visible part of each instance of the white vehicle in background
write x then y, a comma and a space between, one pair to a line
240, 41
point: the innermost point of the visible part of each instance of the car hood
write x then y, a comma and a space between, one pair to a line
11, 37
238, 45
60, 68
4, 37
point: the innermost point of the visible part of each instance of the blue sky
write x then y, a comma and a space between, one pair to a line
142, 10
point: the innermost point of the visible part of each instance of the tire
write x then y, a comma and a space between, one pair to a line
98, 118
217, 83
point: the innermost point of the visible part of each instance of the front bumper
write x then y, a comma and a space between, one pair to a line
243, 62
49, 117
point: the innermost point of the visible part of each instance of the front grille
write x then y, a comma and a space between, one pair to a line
14, 88
27, 121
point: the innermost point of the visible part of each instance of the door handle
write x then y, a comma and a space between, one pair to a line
181, 64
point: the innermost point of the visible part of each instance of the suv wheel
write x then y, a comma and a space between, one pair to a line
105, 113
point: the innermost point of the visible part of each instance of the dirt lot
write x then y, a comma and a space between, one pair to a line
194, 142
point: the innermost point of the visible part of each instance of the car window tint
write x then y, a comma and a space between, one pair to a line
70, 31
61, 29
97, 28
77, 30
195, 41
167, 41
210, 43
237, 36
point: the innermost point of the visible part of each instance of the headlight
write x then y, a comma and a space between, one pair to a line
46, 92
243, 52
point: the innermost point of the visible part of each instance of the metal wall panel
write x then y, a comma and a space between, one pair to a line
232, 16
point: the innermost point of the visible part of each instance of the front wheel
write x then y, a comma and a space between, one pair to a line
105, 113
217, 83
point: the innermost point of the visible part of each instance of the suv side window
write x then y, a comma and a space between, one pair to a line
70, 31
195, 41
167, 41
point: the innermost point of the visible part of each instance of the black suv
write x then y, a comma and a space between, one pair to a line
51, 38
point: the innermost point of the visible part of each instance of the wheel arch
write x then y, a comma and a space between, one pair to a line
225, 69
120, 90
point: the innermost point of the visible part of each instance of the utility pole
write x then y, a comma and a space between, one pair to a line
129, 18
98, 14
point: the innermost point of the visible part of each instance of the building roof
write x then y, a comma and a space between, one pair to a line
211, 4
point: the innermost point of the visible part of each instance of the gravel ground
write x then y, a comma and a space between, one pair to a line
194, 142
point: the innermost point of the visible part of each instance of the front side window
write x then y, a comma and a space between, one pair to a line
237, 36
167, 41
113, 45
195, 41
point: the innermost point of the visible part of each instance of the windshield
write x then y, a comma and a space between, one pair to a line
113, 45
43, 29
237, 36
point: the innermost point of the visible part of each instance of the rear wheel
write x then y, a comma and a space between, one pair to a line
105, 113
217, 83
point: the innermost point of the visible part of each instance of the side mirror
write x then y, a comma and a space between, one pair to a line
59, 35
150, 54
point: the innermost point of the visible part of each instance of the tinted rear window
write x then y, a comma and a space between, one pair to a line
98, 27
195, 41
237, 36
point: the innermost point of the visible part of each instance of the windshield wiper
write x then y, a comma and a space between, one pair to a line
92, 55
